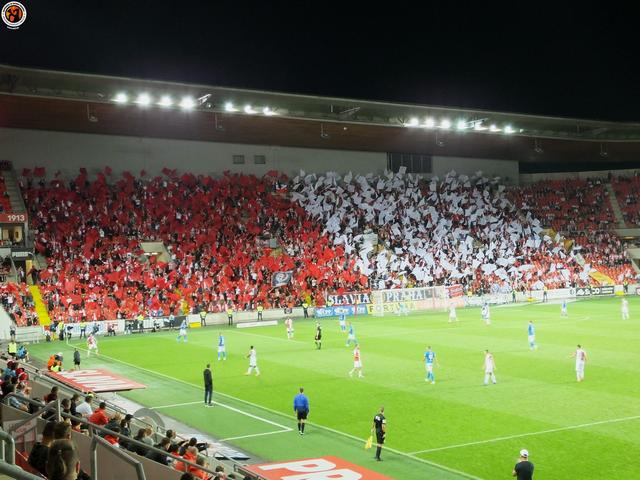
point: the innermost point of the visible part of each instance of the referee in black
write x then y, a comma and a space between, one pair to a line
380, 426
208, 386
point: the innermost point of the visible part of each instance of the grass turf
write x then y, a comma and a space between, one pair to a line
587, 430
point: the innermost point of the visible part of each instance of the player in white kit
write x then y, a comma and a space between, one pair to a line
486, 314
289, 324
357, 362
183, 331
581, 358
453, 317
92, 344
489, 368
253, 361
625, 309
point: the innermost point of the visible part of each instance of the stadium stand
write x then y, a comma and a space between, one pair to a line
628, 193
567, 206
226, 238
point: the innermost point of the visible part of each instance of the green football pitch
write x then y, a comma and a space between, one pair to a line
454, 429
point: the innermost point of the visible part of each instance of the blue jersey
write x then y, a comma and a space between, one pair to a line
531, 329
183, 325
221, 341
429, 357
564, 304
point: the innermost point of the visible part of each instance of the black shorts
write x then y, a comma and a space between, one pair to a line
379, 437
318, 338
76, 363
302, 414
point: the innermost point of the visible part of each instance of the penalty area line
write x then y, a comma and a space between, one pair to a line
530, 434
228, 439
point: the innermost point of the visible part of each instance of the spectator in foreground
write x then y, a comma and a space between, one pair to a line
63, 462
40, 451
99, 417
524, 468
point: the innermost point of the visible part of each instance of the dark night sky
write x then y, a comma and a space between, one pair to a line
558, 60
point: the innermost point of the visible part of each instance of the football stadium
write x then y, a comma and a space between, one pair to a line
205, 282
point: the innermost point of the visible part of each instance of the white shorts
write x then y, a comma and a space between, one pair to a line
357, 364
289, 330
532, 338
429, 367
221, 348
253, 365
343, 323
453, 317
92, 346
183, 332
580, 367
489, 371
625, 312
351, 337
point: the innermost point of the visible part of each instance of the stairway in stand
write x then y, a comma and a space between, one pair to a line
41, 308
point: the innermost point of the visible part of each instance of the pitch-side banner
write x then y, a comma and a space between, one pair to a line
350, 298
324, 468
322, 312
95, 381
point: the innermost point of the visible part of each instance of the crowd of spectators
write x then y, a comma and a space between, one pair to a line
628, 194
226, 237
119, 426
17, 301
568, 206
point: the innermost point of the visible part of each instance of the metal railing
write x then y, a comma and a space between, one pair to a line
95, 441
8, 464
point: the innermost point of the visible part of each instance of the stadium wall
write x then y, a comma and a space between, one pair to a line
68, 152
507, 170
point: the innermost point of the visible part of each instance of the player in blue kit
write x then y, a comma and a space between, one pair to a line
222, 349
429, 360
183, 331
342, 319
351, 335
531, 332
563, 308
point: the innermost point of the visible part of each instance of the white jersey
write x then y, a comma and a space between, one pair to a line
485, 312
581, 357
92, 343
253, 358
625, 305
289, 323
489, 364
452, 312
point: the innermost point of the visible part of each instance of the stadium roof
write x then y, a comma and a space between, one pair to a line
64, 101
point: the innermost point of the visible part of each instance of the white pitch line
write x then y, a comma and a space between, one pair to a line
254, 435
284, 427
530, 434
173, 405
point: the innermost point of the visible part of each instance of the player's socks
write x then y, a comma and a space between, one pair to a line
303, 427
378, 452
299, 428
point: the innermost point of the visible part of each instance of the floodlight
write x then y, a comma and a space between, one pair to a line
248, 109
430, 122
478, 126
187, 103
121, 98
143, 100
445, 124
413, 122
229, 107
461, 125
165, 101
508, 129
268, 112
493, 128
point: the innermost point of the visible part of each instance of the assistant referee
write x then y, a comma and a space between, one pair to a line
380, 426
301, 407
